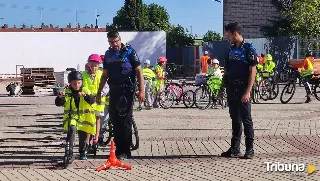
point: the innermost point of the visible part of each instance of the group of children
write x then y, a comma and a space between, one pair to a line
81, 109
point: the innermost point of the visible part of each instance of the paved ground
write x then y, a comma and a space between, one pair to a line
175, 144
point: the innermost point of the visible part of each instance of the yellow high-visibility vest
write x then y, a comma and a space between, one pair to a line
83, 118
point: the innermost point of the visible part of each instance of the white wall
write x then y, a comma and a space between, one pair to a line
63, 50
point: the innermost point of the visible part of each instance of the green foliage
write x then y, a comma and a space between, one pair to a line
137, 16
304, 18
177, 37
212, 36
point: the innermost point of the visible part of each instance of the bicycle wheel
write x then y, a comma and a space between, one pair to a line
166, 99
274, 91
203, 97
264, 89
255, 93
188, 98
135, 136
107, 129
290, 88
316, 91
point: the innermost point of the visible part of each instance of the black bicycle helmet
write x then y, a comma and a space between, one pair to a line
74, 75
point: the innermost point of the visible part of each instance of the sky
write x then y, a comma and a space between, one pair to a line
201, 15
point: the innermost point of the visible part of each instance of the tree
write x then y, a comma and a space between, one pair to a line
304, 17
150, 17
177, 37
212, 36
279, 25
132, 16
158, 18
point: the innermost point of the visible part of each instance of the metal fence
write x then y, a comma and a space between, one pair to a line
185, 60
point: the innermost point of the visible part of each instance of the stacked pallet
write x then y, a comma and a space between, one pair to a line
37, 80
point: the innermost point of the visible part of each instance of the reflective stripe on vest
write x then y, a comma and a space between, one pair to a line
78, 111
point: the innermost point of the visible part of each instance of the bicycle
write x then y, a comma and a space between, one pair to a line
290, 87
174, 92
211, 93
268, 88
107, 132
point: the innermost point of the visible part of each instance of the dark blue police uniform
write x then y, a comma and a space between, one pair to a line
237, 64
121, 65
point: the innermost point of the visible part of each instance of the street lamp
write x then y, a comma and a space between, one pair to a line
97, 20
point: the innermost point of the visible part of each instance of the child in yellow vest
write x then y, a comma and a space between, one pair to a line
91, 81
77, 102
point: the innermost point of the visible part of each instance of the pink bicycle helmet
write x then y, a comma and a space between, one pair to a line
95, 58
162, 59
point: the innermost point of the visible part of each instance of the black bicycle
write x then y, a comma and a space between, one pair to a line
290, 87
268, 88
107, 132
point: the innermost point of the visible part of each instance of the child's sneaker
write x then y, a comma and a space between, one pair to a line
83, 156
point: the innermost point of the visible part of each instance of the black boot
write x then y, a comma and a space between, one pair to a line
231, 153
249, 150
308, 99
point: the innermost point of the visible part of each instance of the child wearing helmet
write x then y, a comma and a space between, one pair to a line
160, 77
75, 100
214, 68
91, 81
149, 80
268, 66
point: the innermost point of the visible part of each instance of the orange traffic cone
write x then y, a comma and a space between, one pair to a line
113, 161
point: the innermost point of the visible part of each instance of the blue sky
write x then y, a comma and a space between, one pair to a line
202, 15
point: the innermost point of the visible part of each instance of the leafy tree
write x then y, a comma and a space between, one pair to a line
212, 36
304, 17
177, 37
132, 16
158, 18
279, 25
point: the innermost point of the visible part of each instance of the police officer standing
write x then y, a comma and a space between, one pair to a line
240, 72
120, 67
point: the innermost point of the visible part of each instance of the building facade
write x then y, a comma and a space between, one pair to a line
251, 14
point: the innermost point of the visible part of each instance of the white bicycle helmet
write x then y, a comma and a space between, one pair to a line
147, 62
216, 61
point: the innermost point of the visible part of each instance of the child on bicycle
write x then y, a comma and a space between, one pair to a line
77, 102
91, 81
215, 77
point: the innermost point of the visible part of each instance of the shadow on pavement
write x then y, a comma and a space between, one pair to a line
174, 157
8, 105
32, 115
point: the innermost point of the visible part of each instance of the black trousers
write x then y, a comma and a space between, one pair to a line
82, 139
240, 114
122, 124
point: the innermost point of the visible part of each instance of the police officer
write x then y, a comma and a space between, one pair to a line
240, 72
120, 67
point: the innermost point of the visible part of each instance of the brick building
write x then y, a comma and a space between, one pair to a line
251, 14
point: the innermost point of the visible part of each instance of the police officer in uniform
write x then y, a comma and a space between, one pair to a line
120, 68
240, 73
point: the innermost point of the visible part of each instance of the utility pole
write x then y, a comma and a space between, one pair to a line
40, 12
76, 12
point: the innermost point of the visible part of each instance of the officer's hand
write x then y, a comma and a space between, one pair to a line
246, 97
141, 96
98, 98
81, 94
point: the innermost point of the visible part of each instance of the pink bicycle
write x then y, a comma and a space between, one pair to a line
175, 93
